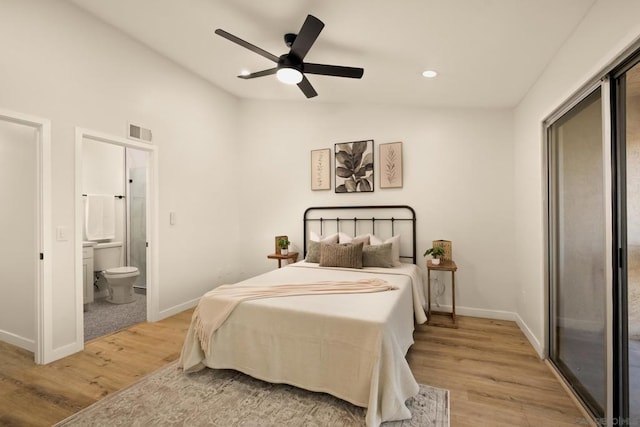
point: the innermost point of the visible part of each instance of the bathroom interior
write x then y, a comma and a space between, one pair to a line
114, 189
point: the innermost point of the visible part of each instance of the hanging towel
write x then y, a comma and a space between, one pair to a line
100, 217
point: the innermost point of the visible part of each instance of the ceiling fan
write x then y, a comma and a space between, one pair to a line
290, 66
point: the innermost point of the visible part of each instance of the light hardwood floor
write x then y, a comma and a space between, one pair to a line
494, 376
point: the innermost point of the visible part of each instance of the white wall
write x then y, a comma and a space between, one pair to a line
457, 175
609, 27
60, 63
18, 228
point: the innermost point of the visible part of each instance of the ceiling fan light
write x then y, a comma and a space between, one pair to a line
290, 76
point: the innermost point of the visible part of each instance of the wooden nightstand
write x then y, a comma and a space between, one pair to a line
293, 256
443, 266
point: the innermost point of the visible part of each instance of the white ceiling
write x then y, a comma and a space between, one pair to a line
488, 52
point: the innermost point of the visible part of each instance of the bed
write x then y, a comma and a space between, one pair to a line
352, 346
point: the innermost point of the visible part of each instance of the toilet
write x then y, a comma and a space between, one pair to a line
107, 260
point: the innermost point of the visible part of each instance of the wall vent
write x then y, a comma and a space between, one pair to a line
138, 133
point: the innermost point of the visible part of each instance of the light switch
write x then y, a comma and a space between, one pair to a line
172, 218
62, 233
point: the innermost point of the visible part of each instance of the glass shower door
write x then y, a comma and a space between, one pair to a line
138, 223
577, 258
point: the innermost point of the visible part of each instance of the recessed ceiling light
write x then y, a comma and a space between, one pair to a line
244, 73
429, 73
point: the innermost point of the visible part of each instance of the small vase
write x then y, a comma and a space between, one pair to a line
284, 251
435, 261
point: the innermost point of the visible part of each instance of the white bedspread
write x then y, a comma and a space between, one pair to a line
352, 346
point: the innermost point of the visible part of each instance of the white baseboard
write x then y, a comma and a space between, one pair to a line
177, 309
64, 351
537, 346
18, 341
499, 315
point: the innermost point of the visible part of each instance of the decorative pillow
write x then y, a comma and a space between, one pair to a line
332, 238
313, 251
378, 256
346, 238
347, 255
395, 246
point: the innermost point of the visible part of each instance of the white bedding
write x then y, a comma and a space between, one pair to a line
352, 346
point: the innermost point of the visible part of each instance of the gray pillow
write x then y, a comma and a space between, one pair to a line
378, 256
347, 255
313, 252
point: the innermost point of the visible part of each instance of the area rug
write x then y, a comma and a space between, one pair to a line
218, 397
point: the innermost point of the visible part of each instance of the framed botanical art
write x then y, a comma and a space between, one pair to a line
321, 169
354, 166
391, 165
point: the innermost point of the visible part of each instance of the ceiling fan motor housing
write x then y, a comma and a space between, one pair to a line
289, 38
289, 60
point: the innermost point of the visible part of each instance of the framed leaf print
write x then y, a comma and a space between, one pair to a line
321, 169
354, 166
391, 165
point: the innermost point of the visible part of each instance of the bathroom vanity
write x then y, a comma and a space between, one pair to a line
87, 271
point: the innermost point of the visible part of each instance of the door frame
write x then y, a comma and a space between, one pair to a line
603, 85
152, 224
43, 304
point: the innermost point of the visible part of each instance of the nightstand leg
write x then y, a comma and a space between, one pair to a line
428, 295
453, 296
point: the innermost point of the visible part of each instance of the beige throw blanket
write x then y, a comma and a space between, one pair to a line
215, 306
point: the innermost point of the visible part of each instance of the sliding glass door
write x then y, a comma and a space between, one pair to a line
627, 307
577, 250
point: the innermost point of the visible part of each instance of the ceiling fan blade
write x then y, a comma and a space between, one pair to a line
259, 74
306, 36
306, 88
333, 70
246, 45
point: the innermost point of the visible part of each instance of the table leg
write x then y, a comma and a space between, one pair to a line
279, 263
428, 294
453, 296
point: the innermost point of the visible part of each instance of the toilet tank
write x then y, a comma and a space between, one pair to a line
107, 255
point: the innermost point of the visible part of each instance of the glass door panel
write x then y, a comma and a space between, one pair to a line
632, 148
577, 261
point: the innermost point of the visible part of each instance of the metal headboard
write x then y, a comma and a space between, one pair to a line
405, 214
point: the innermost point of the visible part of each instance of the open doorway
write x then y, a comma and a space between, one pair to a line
116, 176
25, 267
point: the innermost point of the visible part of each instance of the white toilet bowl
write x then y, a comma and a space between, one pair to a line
120, 281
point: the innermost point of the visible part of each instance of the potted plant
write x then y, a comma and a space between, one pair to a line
436, 252
284, 246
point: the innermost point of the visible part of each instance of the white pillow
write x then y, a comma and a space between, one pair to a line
346, 238
332, 238
395, 246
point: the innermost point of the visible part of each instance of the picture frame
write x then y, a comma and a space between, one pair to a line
354, 167
321, 169
391, 165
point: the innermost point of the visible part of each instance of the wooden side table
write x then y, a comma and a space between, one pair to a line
293, 256
443, 266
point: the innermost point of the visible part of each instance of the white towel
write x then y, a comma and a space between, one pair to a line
100, 217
